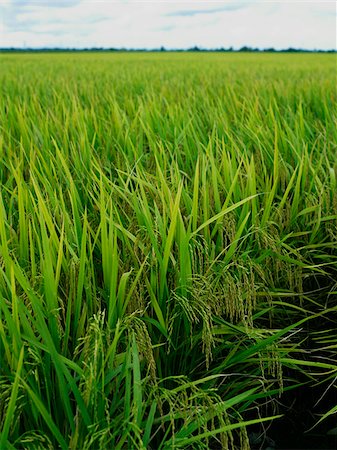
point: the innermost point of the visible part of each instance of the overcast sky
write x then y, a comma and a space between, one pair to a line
151, 24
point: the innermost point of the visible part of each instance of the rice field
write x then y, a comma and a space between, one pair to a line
168, 249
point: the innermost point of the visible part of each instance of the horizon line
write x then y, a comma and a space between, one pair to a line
163, 49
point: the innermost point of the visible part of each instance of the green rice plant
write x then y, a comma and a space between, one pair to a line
168, 231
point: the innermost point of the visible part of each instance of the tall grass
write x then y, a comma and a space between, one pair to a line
168, 231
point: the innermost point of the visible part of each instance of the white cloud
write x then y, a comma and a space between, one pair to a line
140, 24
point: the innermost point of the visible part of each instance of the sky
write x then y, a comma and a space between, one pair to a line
183, 24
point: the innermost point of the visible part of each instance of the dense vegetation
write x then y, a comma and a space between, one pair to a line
168, 231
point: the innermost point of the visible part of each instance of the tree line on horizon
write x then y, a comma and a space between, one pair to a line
163, 49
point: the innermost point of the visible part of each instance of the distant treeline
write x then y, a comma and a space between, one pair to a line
163, 49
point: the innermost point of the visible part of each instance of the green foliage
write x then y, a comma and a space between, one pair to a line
168, 231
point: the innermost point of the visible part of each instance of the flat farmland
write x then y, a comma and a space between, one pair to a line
168, 245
